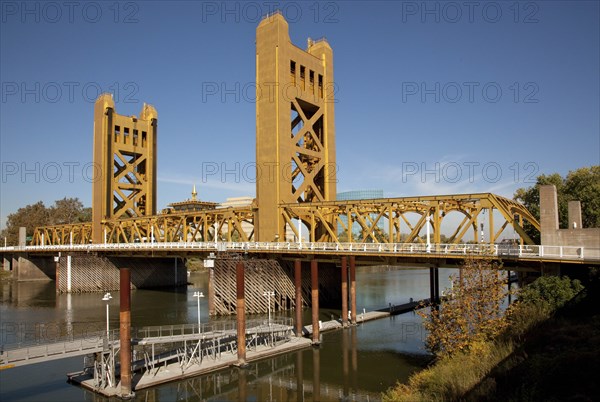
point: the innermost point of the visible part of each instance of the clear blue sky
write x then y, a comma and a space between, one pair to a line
416, 87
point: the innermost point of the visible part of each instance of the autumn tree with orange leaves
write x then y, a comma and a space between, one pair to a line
471, 310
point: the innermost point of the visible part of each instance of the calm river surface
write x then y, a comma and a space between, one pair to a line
355, 364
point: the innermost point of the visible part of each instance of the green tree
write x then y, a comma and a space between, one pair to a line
580, 185
29, 216
584, 185
471, 311
67, 210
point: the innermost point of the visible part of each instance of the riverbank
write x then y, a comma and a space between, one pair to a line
543, 356
559, 359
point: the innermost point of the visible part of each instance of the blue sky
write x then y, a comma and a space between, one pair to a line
432, 97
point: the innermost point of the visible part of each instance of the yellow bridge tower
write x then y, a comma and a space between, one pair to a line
295, 129
124, 182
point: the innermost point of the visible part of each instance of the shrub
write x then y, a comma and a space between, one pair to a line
550, 292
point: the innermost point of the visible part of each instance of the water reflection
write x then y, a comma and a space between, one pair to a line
355, 364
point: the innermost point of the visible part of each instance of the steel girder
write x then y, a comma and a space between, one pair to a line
387, 220
227, 224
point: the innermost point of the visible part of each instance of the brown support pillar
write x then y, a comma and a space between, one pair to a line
125, 331
314, 277
298, 286
344, 293
353, 289
241, 315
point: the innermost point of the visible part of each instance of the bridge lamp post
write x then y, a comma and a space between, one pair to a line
106, 298
198, 295
427, 220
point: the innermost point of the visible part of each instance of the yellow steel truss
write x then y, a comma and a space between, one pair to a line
227, 224
385, 220
388, 221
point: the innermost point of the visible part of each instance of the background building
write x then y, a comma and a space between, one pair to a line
359, 195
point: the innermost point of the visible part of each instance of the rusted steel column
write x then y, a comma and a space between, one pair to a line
298, 286
241, 314
353, 289
125, 330
344, 292
314, 277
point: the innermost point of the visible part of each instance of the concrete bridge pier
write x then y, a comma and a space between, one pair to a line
6, 263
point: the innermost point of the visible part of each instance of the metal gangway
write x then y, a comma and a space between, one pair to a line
215, 337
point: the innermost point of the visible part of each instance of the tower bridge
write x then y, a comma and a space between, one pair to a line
295, 212
261, 246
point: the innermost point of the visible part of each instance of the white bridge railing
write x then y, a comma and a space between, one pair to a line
496, 250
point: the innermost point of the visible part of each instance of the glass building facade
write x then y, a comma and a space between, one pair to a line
359, 195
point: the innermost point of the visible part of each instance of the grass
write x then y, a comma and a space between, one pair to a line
540, 357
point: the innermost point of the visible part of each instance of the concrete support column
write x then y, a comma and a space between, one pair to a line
6, 263
69, 284
211, 291
353, 289
125, 331
344, 293
574, 214
298, 287
314, 277
57, 275
241, 315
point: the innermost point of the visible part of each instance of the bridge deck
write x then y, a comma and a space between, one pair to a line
421, 250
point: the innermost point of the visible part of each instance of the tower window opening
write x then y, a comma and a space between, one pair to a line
293, 72
320, 86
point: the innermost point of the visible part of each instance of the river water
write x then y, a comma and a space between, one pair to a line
356, 364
